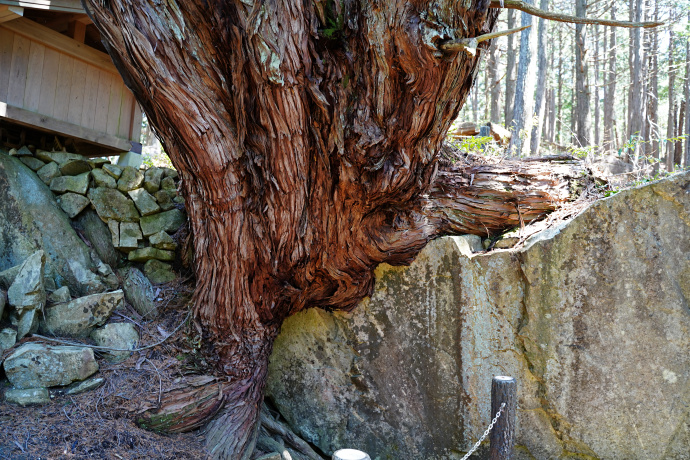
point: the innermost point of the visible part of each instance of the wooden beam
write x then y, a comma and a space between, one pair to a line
53, 125
70, 6
57, 41
9, 13
77, 30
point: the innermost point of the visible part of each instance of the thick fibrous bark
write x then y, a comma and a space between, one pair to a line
306, 134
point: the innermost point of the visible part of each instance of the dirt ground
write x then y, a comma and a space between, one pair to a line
99, 424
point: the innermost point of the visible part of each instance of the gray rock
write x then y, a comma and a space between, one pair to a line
34, 163
114, 170
77, 184
109, 277
58, 157
168, 221
79, 317
27, 323
31, 220
178, 199
165, 201
122, 336
111, 204
103, 179
159, 272
114, 227
271, 456
75, 167
591, 318
62, 295
168, 183
8, 337
469, 244
7, 276
130, 179
49, 172
506, 242
169, 172
24, 152
152, 179
28, 397
98, 162
76, 388
139, 292
35, 365
72, 203
96, 231
130, 234
144, 254
27, 292
162, 240
145, 203
3, 301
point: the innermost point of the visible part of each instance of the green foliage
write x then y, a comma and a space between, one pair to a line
335, 23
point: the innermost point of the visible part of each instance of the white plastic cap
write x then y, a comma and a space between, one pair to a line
350, 454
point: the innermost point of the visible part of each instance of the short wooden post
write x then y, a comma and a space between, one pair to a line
350, 454
502, 437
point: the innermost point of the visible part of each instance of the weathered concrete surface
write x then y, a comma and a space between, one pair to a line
591, 318
30, 219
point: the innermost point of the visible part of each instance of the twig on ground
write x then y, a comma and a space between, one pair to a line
160, 381
96, 347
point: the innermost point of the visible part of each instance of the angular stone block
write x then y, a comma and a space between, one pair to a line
35, 365
79, 317
77, 184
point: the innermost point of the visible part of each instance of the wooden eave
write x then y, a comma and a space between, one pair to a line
69, 6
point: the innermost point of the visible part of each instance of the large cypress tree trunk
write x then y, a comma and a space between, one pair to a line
307, 136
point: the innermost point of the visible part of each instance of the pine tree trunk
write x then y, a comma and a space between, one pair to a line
511, 60
610, 94
637, 92
686, 95
542, 72
671, 123
653, 133
597, 111
523, 107
308, 139
583, 123
494, 82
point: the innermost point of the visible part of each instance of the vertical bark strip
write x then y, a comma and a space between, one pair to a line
307, 137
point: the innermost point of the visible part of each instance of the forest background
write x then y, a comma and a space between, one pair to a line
591, 89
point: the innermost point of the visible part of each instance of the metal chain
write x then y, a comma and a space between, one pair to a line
486, 433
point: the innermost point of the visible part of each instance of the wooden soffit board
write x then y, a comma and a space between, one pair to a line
55, 40
53, 125
70, 6
9, 13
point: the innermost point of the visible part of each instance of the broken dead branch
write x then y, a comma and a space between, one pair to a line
559, 17
469, 45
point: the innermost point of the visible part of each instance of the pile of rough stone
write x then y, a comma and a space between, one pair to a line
68, 261
139, 207
35, 370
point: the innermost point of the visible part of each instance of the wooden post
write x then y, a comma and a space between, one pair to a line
503, 390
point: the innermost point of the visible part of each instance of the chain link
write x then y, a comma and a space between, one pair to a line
486, 433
